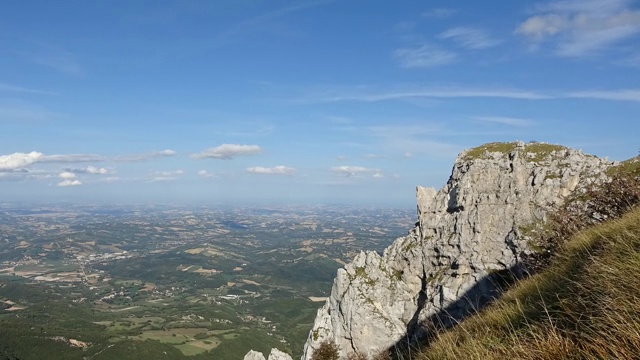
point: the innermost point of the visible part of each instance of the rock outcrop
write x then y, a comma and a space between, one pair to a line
469, 235
274, 355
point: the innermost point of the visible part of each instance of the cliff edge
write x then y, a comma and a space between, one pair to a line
469, 236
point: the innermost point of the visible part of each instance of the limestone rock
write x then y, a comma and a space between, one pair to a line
254, 355
467, 234
278, 355
274, 355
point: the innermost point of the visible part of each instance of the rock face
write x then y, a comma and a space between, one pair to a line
469, 234
254, 355
274, 355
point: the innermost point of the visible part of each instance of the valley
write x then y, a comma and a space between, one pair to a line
150, 282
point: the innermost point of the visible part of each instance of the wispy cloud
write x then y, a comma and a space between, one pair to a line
353, 171
19, 89
165, 175
205, 174
20, 111
424, 56
374, 156
631, 60
369, 94
56, 58
276, 170
378, 94
145, 156
470, 38
235, 32
228, 151
411, 139
72, 158
581, 27
501, 120
616, 95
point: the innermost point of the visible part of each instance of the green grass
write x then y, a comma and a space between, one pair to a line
627, 167
585, 306
535, 151
478, 152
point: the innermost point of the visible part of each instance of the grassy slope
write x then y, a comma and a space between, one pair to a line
585, 306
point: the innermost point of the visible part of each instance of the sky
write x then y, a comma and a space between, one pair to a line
300, 102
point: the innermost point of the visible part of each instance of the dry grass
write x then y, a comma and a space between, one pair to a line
534, 150
586, 305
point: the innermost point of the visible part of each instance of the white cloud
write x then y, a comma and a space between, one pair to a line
470, 38
348, 171
167, 152
67, 175
378, 175
18, 160
165, 175
145, 156
539, 27
616, 95
374, 156
228, 151
276, 170
579, 28
91, 170
424, 56
205, 174
408, 154
69, 179
97, 171
502, 120
68, 182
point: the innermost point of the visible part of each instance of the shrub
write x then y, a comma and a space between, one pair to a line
596, 204
327, 350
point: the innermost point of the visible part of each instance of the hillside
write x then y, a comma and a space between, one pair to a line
585, 306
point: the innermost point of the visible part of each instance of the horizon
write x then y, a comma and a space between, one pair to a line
289, 102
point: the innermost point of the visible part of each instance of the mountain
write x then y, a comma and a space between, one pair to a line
470, 238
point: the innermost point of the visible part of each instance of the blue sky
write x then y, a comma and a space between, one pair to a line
350, 101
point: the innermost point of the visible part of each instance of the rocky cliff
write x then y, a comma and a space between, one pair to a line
469, 235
